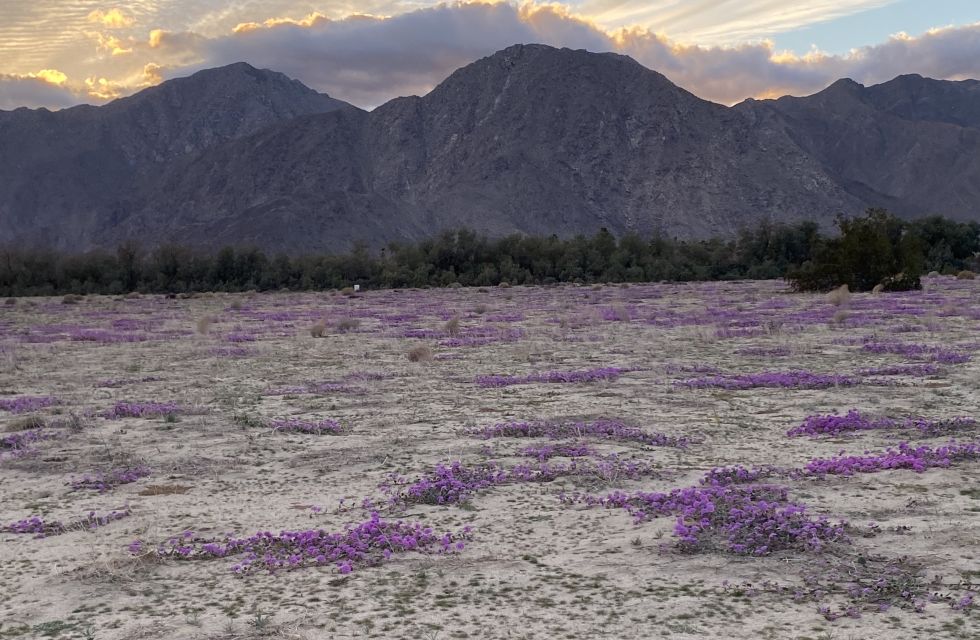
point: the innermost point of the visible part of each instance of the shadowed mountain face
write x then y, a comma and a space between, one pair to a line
531, 139
68, 177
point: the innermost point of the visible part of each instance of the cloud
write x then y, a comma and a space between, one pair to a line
368, 60
111, 19
721, 22
46, 88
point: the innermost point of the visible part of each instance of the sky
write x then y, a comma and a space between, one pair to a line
58, 53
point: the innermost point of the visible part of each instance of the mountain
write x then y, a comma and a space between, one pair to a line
531, 139
911, 144
67, 176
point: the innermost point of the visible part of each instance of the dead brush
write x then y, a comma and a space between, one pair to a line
23, 423
110, 568
319, 329
421, 353
620, 313
452, 326
347, 325
164, 490
204, 325
840, 297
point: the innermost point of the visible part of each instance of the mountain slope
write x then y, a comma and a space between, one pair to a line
911, 144
531, 139
66, 175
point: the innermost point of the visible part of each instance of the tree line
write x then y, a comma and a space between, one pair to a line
867, 250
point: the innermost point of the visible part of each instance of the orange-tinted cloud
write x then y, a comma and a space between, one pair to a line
111, 19
368, 60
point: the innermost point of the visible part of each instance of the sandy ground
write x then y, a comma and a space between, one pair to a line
535, 567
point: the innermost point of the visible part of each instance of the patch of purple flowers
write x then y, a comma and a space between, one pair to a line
588, 375
103, 482
43, 529
142, 410
854, 420
782, 380
917, 459
605, 429
564, 450
366, 544
24, 404
752, 520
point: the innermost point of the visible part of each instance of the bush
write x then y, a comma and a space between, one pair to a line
318, 330
965, 275
870, 251
901, 282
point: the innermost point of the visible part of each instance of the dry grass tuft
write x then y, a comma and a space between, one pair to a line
10, 302
319, 329
164, 490
348, 291
236, 305
878, 288
204, 325
966, 275
72, 298
840, 296
452, 326
504, 285
133, 295
23, 423
480, 309
840, 317
421, 353
620, 313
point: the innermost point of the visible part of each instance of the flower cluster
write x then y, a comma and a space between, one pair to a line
905, 456
753, 519
588, 375
854, 420
44, 529
605, 429
23, 439
24, 404
784, 380
564, 450
365, 544
454, 483
937, 354
917, 370
737, 474
103, 482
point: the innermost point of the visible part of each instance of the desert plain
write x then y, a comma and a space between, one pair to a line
141, 434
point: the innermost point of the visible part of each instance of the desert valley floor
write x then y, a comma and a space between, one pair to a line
633, 462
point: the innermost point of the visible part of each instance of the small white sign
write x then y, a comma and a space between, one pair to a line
357, 287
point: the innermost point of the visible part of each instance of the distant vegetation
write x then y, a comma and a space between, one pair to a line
876, 248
